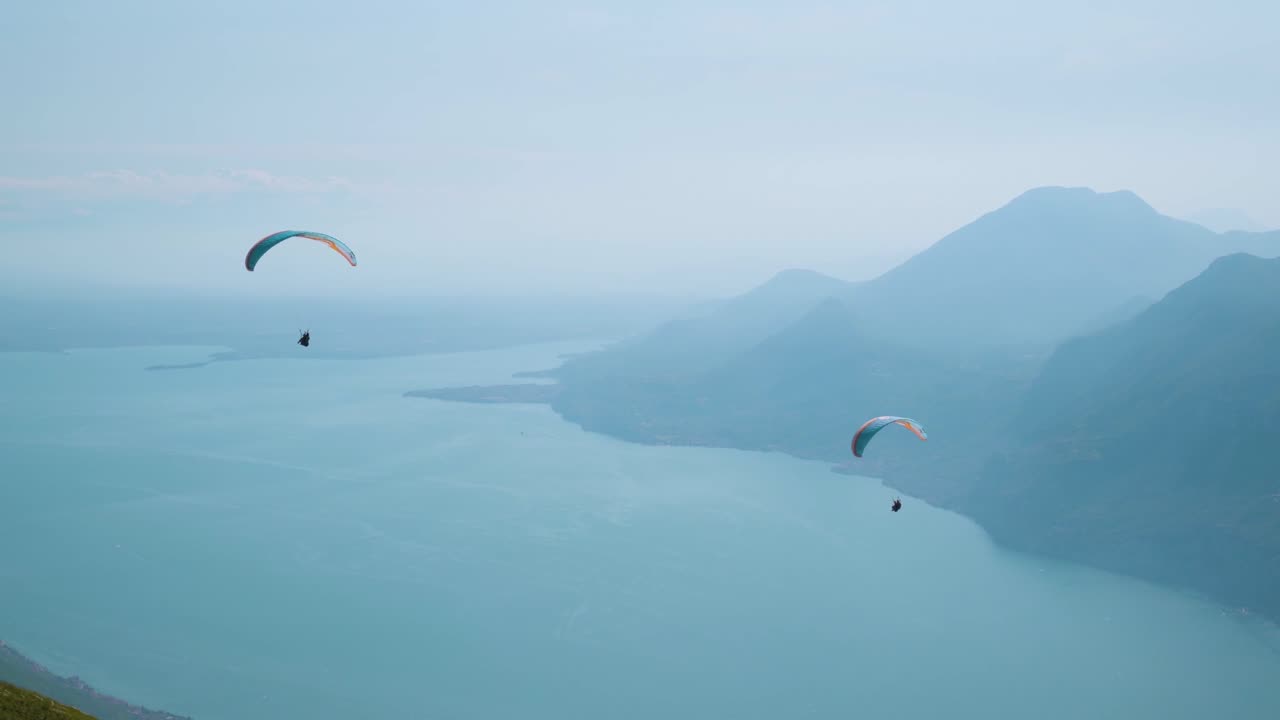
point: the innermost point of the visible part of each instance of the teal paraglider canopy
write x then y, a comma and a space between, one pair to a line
261, 247
876, 424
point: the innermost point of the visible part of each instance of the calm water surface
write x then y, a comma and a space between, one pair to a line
294, 539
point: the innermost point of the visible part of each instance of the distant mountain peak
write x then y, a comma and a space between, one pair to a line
1239, 284
1242, 261
794, 276
1048, 263
1223, 220
1240, 271
798, 283
1057, 197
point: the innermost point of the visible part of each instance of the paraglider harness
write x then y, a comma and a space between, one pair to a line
897, 505
305, 340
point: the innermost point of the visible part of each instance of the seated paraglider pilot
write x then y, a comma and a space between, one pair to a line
305, 340
897, 505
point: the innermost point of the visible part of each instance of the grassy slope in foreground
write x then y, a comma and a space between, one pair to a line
19, 704
23, 672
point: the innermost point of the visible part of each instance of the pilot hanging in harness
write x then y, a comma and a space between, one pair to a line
305, 340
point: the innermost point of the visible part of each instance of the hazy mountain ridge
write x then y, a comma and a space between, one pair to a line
704, 337
1042, 268
1226, 220
963, 353
1150, 448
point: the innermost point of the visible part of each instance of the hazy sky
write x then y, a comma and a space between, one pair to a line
572, 145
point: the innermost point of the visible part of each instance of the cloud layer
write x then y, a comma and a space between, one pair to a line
160, 184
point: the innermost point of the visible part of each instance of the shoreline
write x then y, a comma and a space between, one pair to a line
21, 671
545, 394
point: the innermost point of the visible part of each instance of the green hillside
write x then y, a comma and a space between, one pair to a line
19, 704
23, 672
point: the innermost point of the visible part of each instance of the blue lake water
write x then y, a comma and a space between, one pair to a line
294, 539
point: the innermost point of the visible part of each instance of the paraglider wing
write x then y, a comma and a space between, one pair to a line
876, 424
261, 247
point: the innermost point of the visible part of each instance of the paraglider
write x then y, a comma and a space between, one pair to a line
876, 424
261, 247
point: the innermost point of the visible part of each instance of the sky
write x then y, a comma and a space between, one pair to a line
472, 147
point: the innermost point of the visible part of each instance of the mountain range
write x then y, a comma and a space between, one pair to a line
19, 704
1095, 377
